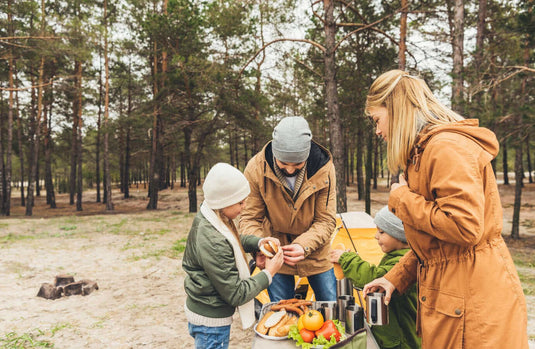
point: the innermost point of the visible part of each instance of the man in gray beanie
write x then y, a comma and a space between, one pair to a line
293, 188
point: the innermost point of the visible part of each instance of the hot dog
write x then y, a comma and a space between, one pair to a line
269, 249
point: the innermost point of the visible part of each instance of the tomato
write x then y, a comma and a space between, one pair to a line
300, 325
308, 336
329, 329
313, 320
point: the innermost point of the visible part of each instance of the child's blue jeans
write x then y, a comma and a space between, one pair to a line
210, 337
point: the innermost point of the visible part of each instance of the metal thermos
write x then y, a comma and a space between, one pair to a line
376, 310
354, 318
328, 310
344, 287
343, 302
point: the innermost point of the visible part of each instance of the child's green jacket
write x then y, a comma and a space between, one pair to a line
401, 329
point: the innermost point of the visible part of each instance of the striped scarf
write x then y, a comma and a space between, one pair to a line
298, 180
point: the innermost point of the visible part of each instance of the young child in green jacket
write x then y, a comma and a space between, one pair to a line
218, 278
401, 329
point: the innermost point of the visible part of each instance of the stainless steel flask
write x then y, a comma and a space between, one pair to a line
376, 310
354, 318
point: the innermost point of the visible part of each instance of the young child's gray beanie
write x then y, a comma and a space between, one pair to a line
390, 224
291, 140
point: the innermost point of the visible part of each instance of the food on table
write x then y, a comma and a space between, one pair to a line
307, 339
313, 320
295, 305
269, 249
307, 335
329, 329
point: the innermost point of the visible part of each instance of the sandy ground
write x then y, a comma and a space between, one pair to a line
140, 299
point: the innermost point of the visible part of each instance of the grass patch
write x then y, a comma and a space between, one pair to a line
528, 283
156, 254
13, 340
179, 246
15, 237
68, 227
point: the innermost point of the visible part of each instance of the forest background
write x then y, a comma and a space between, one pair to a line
112, 112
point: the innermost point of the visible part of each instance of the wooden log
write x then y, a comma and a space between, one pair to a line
72, 289
88, 286
64, 279
49, 291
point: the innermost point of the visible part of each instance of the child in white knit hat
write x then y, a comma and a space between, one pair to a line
401, 330
218, 278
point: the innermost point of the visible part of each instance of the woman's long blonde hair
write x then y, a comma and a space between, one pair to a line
411, 106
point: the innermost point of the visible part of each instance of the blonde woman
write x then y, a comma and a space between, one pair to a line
449, 203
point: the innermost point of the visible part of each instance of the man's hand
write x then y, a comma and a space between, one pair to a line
293, 253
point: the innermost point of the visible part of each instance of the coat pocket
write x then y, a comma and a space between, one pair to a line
442, 319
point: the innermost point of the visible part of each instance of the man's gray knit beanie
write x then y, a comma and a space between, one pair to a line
390, 224
291, 140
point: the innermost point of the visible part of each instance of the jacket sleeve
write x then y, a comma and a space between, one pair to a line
220, 267
249, 243
360, 272
455, 212
252, 217
324, 222
404, 273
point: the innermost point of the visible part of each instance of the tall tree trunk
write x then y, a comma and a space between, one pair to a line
21, 151
34, 156
6, 178
369, 164
79, 182
480, 34
504, 162
191, 171
127, 166
109, 199
360, 165
99, 129
49, 185
456, 19
403, 35
333, 113
528, 158
515, 234
74, 145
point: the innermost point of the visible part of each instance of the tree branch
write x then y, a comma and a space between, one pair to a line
316, 14
365, 27
313, 43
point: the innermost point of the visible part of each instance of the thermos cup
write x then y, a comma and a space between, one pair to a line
354, 318
328, 310
344, 287
343, 302
376, 310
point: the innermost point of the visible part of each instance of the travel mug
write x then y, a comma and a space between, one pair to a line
376, 310
328, 310
343, 302
344, 287
354, 318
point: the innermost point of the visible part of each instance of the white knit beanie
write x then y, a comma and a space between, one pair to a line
390, 224
291, 140
224, 186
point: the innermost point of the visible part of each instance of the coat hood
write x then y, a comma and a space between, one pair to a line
484, 137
